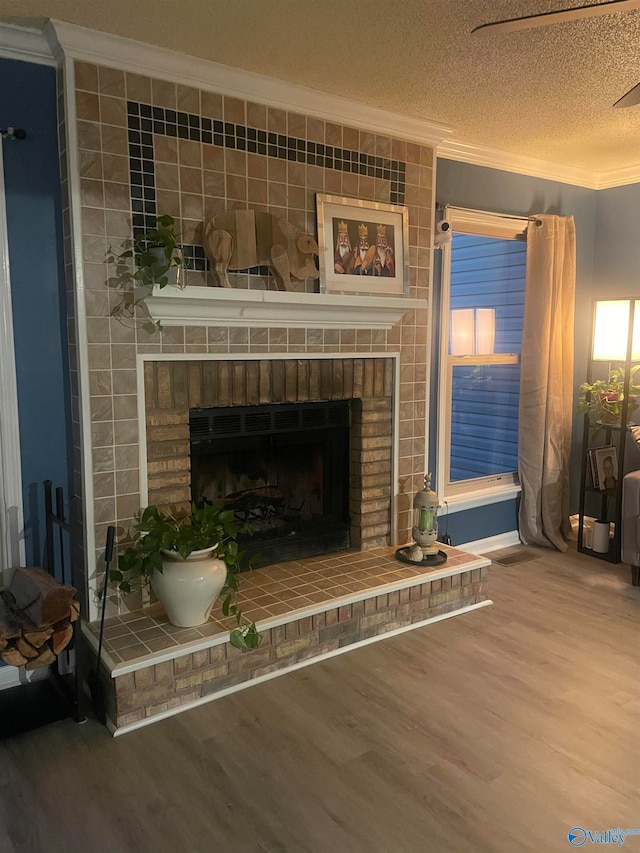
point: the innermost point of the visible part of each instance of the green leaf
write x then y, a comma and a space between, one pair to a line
236, 638
226, 604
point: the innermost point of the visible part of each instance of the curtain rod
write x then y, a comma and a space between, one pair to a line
440, 206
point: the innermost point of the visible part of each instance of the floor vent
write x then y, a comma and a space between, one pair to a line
523, 556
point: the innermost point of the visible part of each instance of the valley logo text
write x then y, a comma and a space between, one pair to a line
579, 836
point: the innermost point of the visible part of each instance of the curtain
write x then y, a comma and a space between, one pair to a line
546, 382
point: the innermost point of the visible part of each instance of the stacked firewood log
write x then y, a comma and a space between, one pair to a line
36, 616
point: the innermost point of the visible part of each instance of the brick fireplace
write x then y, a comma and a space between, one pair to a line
305, 610
145, 132
174, 387
132, 388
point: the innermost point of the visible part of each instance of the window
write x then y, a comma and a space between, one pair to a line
483, 284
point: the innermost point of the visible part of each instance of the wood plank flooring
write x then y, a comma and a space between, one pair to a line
499, 730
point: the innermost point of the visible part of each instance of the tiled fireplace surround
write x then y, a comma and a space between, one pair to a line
133, 147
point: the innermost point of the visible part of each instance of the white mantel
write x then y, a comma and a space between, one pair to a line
221, 306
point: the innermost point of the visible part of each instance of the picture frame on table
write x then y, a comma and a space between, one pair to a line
363, 246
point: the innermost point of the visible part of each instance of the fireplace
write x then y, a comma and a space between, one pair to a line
282, 468
357, 392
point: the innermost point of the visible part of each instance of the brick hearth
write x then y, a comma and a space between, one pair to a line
305, 611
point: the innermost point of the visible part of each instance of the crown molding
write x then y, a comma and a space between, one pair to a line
25, 45
58, 38
618, 177
478, 155
140, 58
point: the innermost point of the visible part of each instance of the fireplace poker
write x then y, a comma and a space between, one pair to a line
98, 693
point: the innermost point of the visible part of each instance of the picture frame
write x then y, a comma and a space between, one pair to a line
363, 246
593, 469
604, 464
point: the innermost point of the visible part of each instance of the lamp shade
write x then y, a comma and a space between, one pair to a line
611, 330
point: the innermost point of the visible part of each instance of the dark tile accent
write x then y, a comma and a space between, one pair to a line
144, 121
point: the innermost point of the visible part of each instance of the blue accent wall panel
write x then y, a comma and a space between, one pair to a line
32, 186
479, 523
616, 260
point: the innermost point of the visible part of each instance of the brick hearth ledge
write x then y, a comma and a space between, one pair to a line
306, 611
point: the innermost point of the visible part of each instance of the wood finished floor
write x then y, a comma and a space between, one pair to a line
494, 731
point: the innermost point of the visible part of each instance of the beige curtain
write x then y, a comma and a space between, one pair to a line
546, 382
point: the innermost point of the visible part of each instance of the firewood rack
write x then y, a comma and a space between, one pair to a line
30, 705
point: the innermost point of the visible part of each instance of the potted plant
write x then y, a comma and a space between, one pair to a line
189, 558
158, 260
603, 399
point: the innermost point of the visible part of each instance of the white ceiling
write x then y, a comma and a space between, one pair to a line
544, 93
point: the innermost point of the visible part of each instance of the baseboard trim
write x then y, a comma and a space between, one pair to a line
9, 677
492, 543
171, 712
12, 676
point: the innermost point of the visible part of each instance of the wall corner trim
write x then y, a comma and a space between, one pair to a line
26, 45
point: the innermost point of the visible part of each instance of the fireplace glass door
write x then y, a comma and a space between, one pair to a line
284, 471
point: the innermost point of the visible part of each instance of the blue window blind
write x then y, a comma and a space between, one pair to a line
487, 272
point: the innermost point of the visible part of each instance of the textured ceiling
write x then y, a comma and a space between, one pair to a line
546, 93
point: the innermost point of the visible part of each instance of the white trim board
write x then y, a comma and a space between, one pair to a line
479, 155
82, 339
300, 665
12, 546
491, 543
13, 676
141, 58
25, 45
460, 503
222, 306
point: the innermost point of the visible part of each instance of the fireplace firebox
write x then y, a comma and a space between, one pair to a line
283, 469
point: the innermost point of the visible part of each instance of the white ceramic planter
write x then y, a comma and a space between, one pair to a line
188, 588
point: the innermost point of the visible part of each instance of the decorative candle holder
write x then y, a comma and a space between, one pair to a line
424, 531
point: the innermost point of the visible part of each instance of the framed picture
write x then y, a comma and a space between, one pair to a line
363, 245
604, 464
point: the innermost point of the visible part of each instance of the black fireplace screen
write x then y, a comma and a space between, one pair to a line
283, 468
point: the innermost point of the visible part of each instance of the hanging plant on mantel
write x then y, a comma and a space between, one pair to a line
153, 257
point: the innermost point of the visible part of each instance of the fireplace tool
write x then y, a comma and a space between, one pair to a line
97, 688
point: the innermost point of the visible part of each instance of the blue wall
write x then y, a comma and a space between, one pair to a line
482, 188
616, 262
32, 184
479, 523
